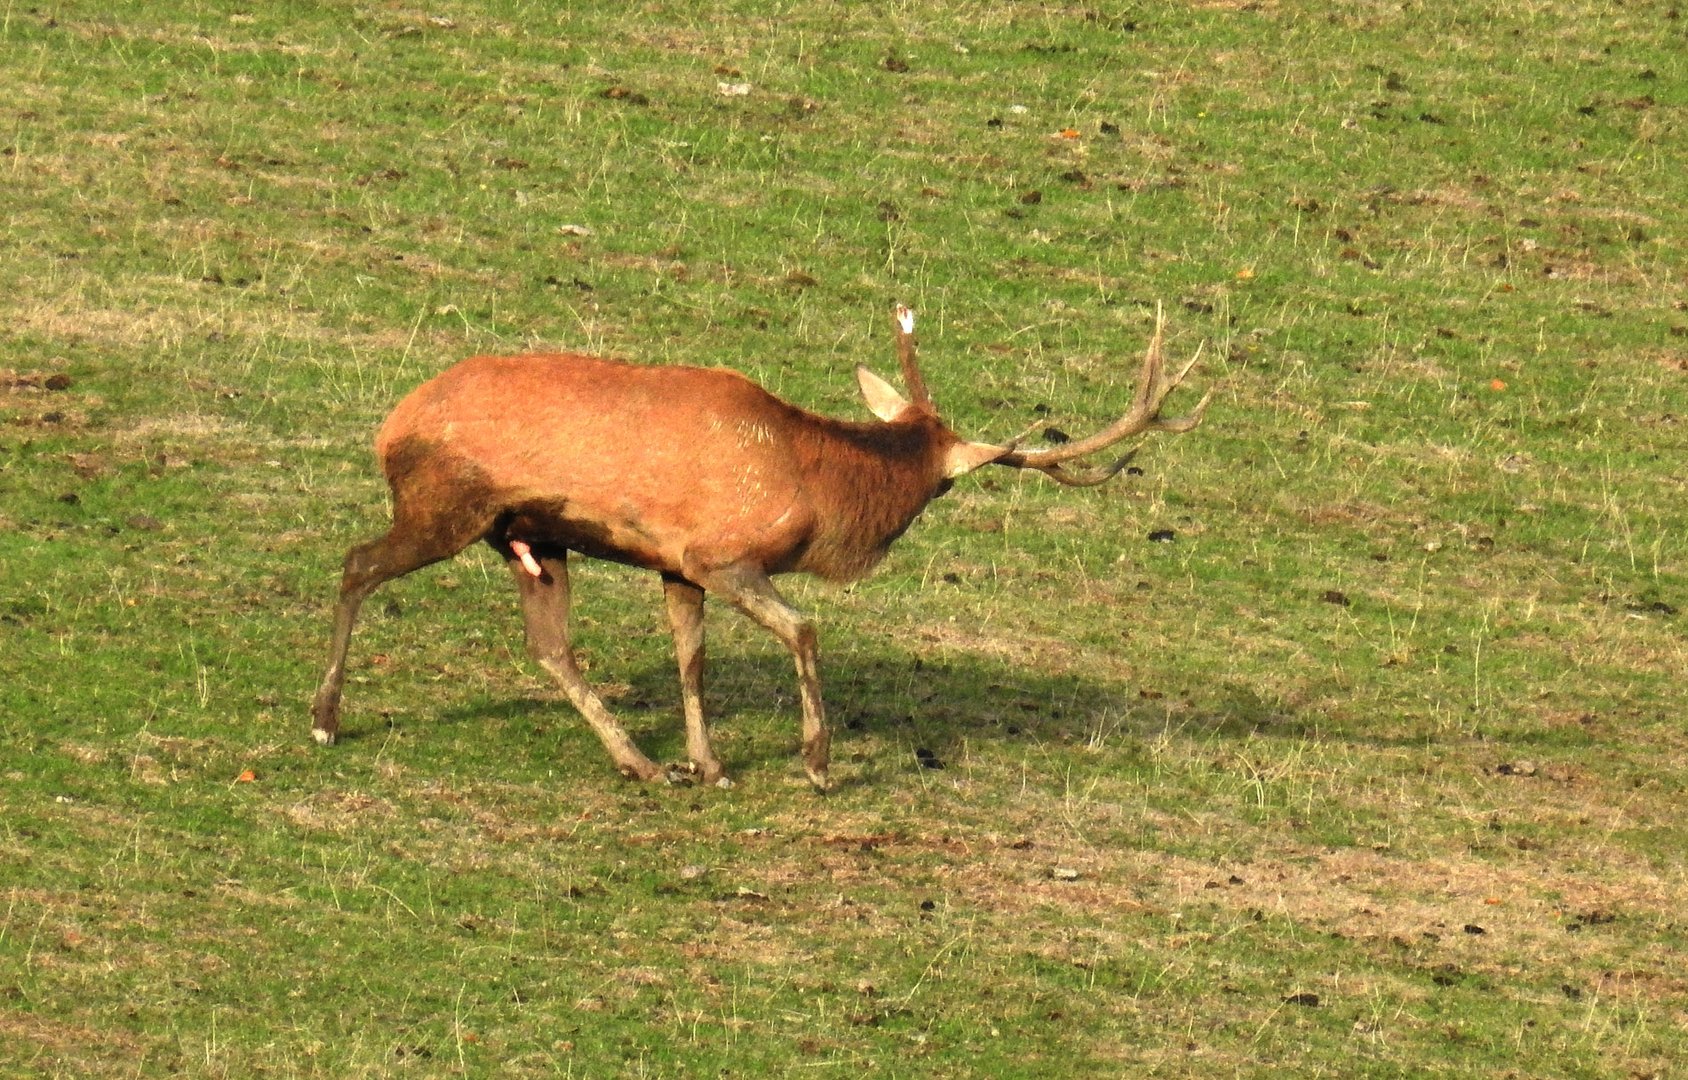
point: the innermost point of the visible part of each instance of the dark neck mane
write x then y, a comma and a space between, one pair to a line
867, 482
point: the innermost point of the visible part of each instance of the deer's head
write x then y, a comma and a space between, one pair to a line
961, 456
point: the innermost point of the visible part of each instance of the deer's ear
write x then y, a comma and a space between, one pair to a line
882, 398
964, 457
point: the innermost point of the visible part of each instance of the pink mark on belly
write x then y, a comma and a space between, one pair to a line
521, 550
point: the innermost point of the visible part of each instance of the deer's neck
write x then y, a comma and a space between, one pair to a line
867, 483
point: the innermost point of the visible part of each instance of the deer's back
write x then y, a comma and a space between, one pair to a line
626, 461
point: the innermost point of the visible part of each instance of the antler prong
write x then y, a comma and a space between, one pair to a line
1151, 383
1190, 366
1090, 478
1014, 443
1180, 424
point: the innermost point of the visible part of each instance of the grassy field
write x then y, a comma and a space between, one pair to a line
1374, 768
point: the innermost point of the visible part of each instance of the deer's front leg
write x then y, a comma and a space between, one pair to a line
747, 587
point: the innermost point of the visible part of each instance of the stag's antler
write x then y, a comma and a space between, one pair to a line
912, 379
1153, 386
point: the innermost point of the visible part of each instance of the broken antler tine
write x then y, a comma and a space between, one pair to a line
912, 379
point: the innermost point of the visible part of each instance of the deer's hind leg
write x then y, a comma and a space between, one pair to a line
685, 616
545, 614
426, 529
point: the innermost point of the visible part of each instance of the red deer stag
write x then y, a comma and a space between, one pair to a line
698, 474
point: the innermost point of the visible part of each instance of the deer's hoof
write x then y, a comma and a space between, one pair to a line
645, 771
323, 738
690, 772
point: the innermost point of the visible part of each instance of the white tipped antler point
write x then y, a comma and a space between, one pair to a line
905, 319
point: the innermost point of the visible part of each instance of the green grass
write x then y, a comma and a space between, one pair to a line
1373, 770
